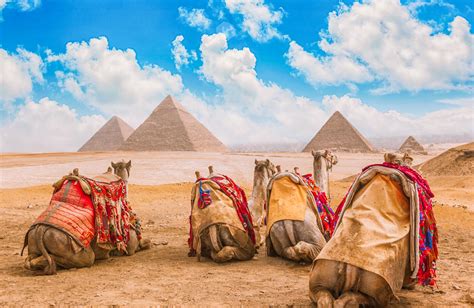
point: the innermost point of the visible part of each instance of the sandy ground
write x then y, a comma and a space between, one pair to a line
164, 274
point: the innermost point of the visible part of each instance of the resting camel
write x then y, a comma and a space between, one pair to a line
300, 240
373, 252
49, 247
216, 231
263, 171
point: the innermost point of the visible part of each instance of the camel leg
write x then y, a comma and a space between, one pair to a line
224, 255
322, 299
354, 299
84, 258
35, 263
290, 254
228, 253
306, 251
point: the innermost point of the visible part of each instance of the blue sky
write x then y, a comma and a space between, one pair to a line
408, 63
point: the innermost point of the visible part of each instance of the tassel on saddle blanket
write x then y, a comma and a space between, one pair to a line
239, 201
322, 203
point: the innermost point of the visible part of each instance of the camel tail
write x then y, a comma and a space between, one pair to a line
290, 231
51, 268
214, 240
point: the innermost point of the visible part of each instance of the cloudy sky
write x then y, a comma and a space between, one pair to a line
253, 71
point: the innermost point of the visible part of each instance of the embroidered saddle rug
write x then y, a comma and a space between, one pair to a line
289, 196
386, 225
86, 208
217, 200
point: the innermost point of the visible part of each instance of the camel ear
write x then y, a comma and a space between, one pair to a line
129, 164
256, 161
114, 165
313, 153
267, 162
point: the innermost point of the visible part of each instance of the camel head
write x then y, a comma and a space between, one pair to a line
122, 169
264, 169
403, 160
330, 157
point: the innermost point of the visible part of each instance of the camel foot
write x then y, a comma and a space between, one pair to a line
224, 255
35, 263
353, 299
322, 299
144, 244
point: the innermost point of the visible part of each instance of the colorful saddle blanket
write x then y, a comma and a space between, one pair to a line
105, 213
424, 247
72, 211
220, 198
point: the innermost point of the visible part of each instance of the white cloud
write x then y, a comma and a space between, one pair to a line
112, 80
194, 18
181, 55
326, 70
374, 123
27, 5
460, 101
250, 110
18, 72
259, 19
47, 126
395, 47
227, 29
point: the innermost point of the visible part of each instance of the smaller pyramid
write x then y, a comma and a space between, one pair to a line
170, 127
109, 137
338, 134
412, 146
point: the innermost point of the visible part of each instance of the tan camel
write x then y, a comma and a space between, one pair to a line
263, 171
217, 231
49, 247
322, 164
301, 240
369, 257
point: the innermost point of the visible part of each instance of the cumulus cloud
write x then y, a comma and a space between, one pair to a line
394, 47
369, 120
181, 55
18, 72
112, 80
194, 18
250, 110
47, 126
259, 20
326, 70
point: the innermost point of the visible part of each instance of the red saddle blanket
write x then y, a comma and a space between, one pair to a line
71, 211
105, 213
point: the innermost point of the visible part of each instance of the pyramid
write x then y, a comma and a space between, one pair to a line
338, 134
109, 137
412, 146
171, 128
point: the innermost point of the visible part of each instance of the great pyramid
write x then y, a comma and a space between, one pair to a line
338, 134
412, 146
171, 128
109, 137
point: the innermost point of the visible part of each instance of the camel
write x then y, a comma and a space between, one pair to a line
300, 240
373, 252
50, 247
322, 164
216, 231
263, 171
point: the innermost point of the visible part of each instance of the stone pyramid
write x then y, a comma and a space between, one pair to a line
171, 128
109, 137
338, 134
412, 146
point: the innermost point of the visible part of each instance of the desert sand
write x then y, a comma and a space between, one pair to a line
160, 187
